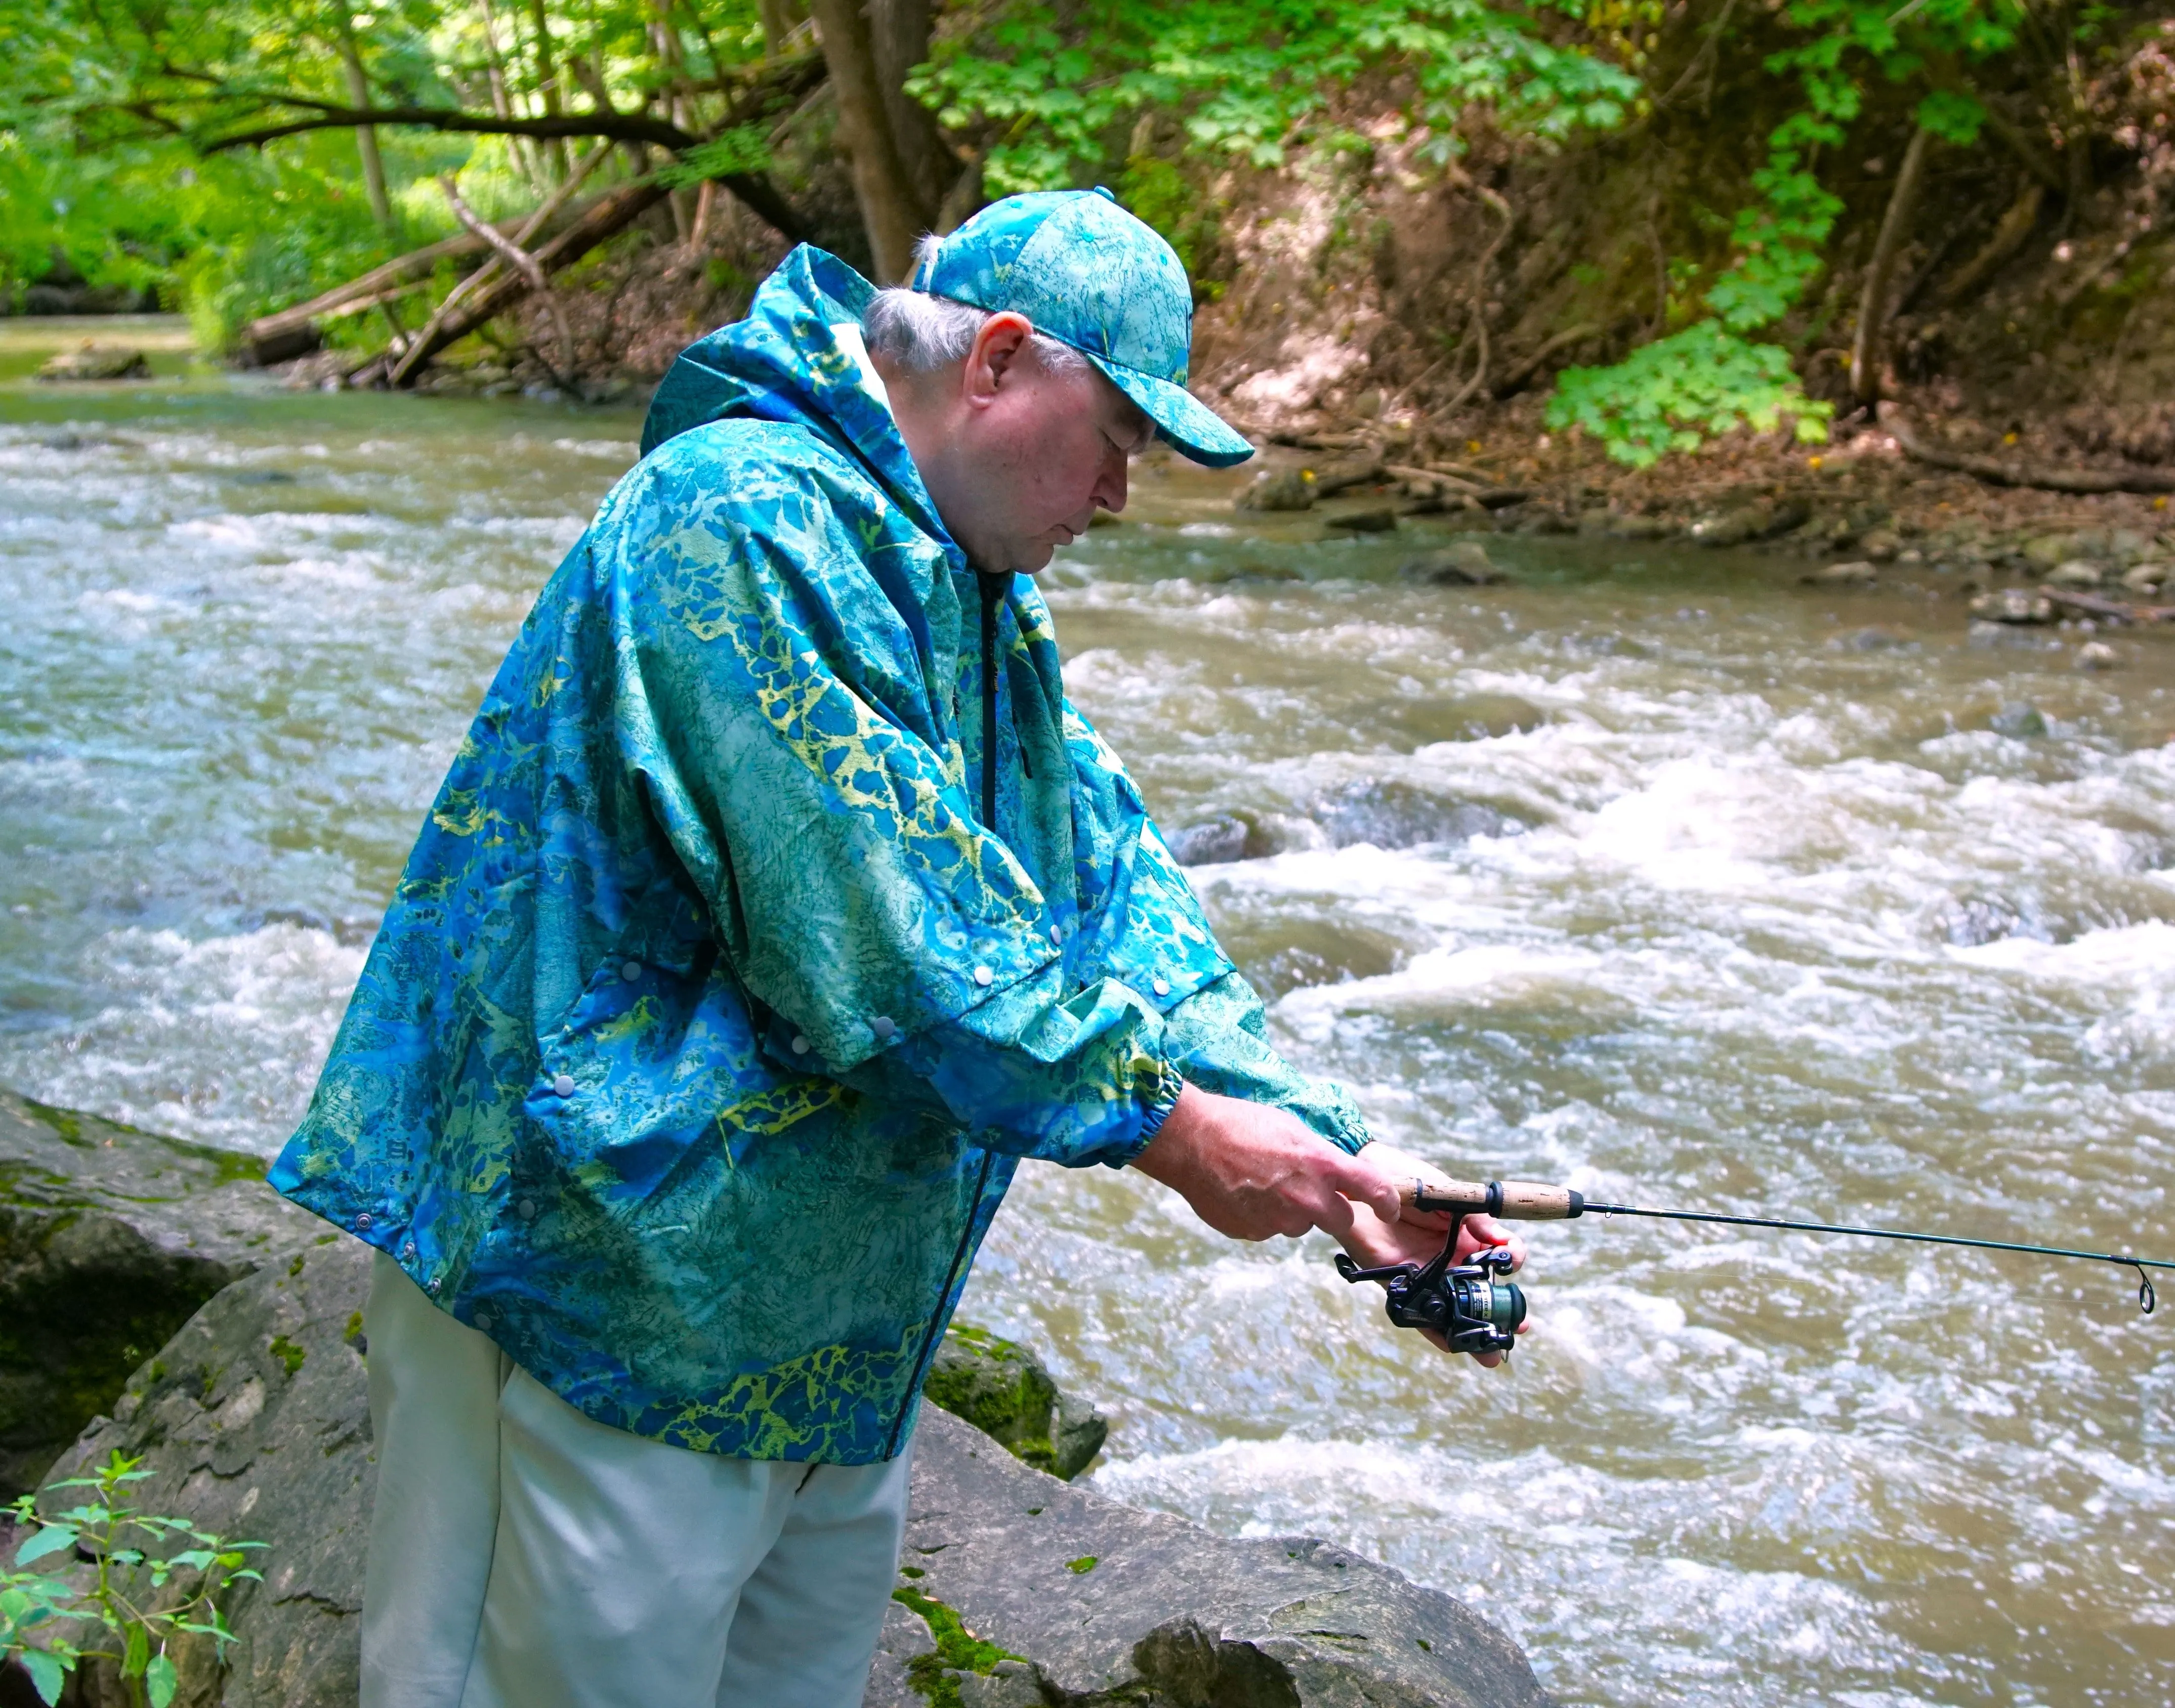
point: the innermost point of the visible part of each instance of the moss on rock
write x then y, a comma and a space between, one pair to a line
1003, 1390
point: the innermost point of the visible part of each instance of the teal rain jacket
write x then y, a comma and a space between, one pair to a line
775, 907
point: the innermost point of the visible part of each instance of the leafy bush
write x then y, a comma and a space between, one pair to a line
50, 1625
1671, 394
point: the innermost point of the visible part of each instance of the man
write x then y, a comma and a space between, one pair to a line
776, 906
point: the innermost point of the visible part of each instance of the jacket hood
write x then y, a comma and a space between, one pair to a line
796, 357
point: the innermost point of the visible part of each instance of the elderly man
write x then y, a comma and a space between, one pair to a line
777, 905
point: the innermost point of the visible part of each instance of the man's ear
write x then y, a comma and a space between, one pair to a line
995, 355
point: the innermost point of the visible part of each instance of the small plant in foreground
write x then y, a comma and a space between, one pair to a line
51, 1625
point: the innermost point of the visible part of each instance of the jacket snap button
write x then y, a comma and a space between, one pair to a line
363, 1220
1056, 935
407, 1251
563, 1086
1163, 987
526, 1209
983, 976
800, 1045
483, 1321
883, 1026
630, 971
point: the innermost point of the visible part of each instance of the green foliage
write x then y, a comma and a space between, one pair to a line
50, 1624
1671, 394
743, 148
1244, 80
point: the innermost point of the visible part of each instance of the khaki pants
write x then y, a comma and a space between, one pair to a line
524, 1556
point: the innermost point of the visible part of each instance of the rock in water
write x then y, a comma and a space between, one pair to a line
95, 361
1209, 842
2021, 721
1002, 1389
2013, 604
1462, 563
1283, 489
1096, 1602
110, 1240
2076, 573
2144, 577
1858, 574
1378, 520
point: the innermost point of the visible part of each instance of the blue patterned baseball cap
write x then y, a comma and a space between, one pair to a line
1091, 275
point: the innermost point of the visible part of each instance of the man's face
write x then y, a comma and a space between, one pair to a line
1017, 456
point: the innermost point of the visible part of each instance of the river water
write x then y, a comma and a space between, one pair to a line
1651, 871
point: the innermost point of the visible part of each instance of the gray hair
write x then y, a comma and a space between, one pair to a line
922, 332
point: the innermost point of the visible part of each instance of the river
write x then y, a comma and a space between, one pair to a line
1651, 870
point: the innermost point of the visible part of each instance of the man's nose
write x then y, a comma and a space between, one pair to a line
1110, 486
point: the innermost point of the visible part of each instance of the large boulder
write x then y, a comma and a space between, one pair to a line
110, 1240
1018, 1590
1015, 1588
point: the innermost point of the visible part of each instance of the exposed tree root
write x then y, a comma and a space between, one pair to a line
2001, 473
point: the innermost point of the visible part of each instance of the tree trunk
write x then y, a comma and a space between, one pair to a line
366, 136
889, 213
778, 22
898, 35
1873, 306
547, 81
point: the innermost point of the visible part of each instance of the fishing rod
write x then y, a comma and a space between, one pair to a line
1476, 1311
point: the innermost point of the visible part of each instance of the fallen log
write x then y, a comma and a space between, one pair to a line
607, 216
2113, 610
1998, 472
292, 331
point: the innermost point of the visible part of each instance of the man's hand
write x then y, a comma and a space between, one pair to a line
1252, 1172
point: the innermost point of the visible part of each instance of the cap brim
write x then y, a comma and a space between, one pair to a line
1181, 418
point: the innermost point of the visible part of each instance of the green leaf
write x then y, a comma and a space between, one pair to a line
46, 1675
135, 1652
160, 1681
50, 1540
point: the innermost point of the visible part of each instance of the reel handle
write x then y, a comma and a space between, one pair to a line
1514, 1201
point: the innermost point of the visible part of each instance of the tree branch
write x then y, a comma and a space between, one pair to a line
619, 127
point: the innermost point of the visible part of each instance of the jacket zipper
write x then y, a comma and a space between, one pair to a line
992, 591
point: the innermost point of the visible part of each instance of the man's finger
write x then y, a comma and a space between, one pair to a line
1364, 1184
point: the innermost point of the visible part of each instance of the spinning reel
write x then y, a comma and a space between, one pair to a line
1463, 1303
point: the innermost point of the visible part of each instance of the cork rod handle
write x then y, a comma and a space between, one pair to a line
1515, 1200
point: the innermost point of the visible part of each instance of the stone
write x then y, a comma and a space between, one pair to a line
2047, 549
2013, 604
1859, 573
1391, 815
96, 361
110, 1240
1641, 527
1747, 523
2145, 578
1003, 1389
1872, 640
2097, 655
1461, 563
1279, 489
1095, 1602
1209, 842
2075, 572
254, 1423
1015, 1588
2020, 720
1880, 544
1378, 519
